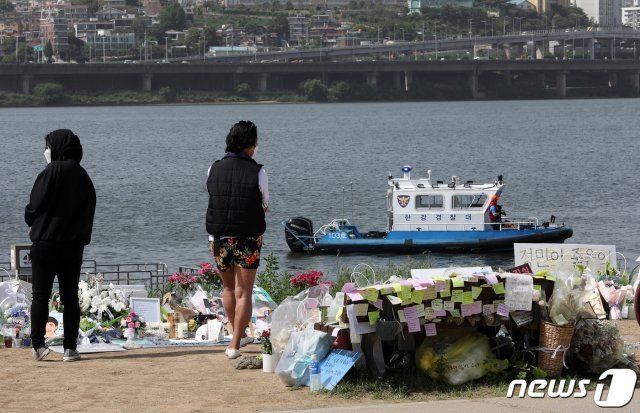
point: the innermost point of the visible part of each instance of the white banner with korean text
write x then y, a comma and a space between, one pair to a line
543, 257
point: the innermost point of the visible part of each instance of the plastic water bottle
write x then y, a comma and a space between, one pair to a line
315, 383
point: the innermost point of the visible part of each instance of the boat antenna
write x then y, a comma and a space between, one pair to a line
343, 189
352, 215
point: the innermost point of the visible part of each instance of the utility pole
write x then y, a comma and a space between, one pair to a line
470, 27
166, 49
435, 34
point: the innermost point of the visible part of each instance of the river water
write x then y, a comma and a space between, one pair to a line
576, 159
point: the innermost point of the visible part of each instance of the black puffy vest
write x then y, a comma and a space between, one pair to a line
235, 200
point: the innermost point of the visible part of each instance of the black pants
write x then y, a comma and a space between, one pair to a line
49, 260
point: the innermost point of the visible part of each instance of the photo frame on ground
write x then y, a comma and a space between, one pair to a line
147, 308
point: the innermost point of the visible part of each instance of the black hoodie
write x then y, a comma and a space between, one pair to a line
63, 199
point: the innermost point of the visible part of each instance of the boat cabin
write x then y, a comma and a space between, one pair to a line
418, 204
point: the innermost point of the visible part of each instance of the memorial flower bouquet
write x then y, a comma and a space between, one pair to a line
134, 321
98, 301
209, 278
182, 280
265, 341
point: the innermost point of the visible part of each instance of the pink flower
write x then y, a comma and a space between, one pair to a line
128, 319
131, 325
137, 324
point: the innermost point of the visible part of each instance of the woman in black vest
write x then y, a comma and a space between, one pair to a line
238, 199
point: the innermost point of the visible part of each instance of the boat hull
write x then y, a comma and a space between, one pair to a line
442, 241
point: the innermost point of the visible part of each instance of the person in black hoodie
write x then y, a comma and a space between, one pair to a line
60, 219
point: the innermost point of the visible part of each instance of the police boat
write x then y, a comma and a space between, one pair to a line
426, 216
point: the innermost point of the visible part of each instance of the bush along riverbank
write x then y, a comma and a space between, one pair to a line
312, 90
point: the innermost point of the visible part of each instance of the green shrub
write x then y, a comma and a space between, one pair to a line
167, 94
49, 93
244, 90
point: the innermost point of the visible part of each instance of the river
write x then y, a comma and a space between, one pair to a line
575, 159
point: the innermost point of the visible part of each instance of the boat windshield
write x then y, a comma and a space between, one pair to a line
472, 201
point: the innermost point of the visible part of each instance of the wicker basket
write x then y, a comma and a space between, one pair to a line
552, 336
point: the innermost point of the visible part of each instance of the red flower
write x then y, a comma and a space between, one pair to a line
251, 259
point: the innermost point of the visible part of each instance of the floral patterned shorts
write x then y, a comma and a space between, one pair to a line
241, 251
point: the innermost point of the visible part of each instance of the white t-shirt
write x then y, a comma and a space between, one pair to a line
263, 183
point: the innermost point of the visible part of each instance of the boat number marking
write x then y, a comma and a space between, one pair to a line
337, 235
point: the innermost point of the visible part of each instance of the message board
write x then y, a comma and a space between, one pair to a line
543, 257
147, 308
335, 366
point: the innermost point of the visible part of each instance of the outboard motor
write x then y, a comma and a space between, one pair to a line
298, 232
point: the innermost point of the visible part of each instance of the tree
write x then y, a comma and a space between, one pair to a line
48, 50
280, 25
137, 25
6, 6
314, 90
172, 17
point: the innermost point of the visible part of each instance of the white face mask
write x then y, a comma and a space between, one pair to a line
47, 155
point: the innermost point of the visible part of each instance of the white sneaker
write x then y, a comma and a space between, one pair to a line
246, 340
232, 353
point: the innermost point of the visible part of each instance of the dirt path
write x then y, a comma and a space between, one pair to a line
161, 380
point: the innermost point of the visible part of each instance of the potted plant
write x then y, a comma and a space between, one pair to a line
269, 361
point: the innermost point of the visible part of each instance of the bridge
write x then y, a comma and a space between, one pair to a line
478, 76
592, 45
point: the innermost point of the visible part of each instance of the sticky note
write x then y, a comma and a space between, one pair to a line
373, 317
378, 304
498, 288
419, 309
440, 313
475, 292
503, 310
429, 314
396, 287
334, 332
361, 309
430, 293
386, 289
456, 296
405, 293
430, 329
440, 285
339, 313
457, 282
355, 296
449, 305
446, 291
417, 296
394, 300
491, 278
436, 304
370, 294
488, 309
455, 313
401, 317
413, 323
467, 297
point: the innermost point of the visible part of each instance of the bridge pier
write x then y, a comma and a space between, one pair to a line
539, 50
372, 79
263, 82
507, 50
507, 78
612, 80
561, 84
25, 83
634, 82
408, 79
397, 80
146, 82
473, 84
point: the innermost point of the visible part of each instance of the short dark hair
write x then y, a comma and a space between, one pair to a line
53, 320
242, 135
